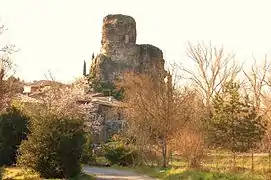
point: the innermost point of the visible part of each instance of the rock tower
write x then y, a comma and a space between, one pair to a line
119, 52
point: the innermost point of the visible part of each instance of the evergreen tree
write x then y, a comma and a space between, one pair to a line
235, 124
85, 68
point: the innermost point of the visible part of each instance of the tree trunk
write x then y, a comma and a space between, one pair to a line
193, 163
269, 161
217, 160
234, 160
164, 152
252, 161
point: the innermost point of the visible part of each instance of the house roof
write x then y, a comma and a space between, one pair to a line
107, 101
45, 83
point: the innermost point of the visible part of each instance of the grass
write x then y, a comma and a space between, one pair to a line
224, 162
16, 173
1, 173
185, 174
19, 173
214, 166
207, 175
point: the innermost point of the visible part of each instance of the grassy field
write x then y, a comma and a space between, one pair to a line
16, 173
260, 163
214, 167
185, 174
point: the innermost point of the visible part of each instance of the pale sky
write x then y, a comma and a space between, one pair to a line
58, 35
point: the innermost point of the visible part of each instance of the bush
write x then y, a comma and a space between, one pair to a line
13, 129
117, 153
54, 147
189, 143
87, 155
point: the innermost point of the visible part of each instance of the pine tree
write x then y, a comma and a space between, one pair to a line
85, 68
235, 125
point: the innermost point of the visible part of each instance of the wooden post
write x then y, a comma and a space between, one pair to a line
252, 161
269, 161
234, 160
217, 159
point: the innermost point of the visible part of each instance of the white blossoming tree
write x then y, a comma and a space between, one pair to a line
7, 68
59, 122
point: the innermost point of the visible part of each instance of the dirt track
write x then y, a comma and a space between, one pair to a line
114, 174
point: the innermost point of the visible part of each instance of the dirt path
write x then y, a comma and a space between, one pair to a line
114, 174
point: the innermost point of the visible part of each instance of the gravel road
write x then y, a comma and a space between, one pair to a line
114, 174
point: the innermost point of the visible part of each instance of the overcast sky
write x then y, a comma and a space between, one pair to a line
58, 35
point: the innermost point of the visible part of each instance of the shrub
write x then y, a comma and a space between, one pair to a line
117, 153
13, 129
54, 147
189, 143
87, 155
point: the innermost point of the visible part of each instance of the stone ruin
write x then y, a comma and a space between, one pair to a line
119, 52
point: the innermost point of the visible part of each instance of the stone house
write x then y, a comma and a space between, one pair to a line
109, 111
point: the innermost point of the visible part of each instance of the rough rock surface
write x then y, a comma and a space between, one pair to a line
119, 52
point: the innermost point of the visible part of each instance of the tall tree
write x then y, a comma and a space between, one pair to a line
235, 124
213, 68
84, 68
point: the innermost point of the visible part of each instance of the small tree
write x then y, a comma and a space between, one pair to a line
7, 87
13, 129
235, 124
84, 69
189, 141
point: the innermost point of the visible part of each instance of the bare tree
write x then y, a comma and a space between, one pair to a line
7, 69
257, 80
213, 68
155, 111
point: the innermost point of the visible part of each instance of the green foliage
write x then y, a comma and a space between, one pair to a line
235, 124
117, 153
87, 156
13, 129
107, 88
54, 147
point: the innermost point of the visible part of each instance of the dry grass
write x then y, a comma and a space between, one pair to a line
214, 167
224, 162
17, 173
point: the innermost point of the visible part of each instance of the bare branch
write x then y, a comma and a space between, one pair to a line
213, 68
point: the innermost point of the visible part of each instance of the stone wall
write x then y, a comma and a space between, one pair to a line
119, 52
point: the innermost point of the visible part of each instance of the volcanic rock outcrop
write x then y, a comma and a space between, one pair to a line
119, 52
